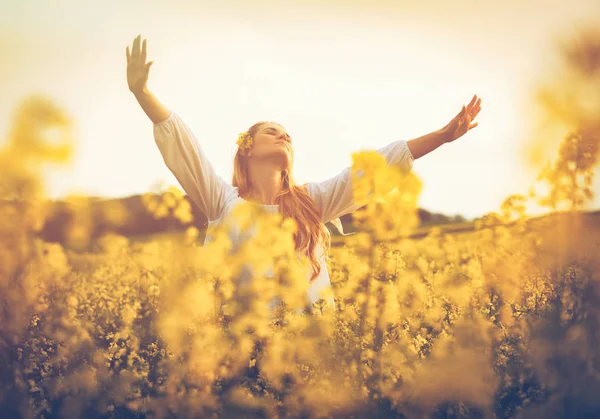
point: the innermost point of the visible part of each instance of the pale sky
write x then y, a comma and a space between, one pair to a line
341, 76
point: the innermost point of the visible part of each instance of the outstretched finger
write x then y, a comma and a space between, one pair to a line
478, 110
144, 52
472, 106
472, 102
473, 125
135, 51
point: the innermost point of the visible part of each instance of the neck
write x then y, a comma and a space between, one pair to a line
266, 182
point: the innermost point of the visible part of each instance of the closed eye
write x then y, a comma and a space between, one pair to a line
275, 132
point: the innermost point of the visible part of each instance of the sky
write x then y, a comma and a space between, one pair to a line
341, 76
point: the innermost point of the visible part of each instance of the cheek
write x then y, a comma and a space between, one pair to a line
261, 149
259, 145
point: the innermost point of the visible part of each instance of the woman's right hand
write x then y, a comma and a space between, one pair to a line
137, 68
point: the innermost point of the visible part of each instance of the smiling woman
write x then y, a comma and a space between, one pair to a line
263, 172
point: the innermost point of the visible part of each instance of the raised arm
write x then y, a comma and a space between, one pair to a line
137, 79
334, 197
177, 143
456, 128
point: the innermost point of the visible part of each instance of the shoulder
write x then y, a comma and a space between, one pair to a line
307, 188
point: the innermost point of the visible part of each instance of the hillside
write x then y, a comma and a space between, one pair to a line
135, 220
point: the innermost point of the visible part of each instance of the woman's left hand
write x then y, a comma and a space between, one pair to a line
462, 122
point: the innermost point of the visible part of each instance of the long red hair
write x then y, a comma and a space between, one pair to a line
294, 202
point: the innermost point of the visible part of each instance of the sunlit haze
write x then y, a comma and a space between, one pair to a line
339, 76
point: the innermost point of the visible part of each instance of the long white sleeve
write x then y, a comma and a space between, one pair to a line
185, 158
334, 197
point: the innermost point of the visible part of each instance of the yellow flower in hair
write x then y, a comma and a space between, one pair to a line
244, 141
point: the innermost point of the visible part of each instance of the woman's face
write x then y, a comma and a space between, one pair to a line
272, 142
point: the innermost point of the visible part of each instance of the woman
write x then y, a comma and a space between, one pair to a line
262, 170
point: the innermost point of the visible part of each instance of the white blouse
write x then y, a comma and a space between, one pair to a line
183, 155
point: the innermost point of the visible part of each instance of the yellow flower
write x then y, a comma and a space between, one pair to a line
390, 196
244, 140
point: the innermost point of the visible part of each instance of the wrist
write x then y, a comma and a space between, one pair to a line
141, 93
444, 136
